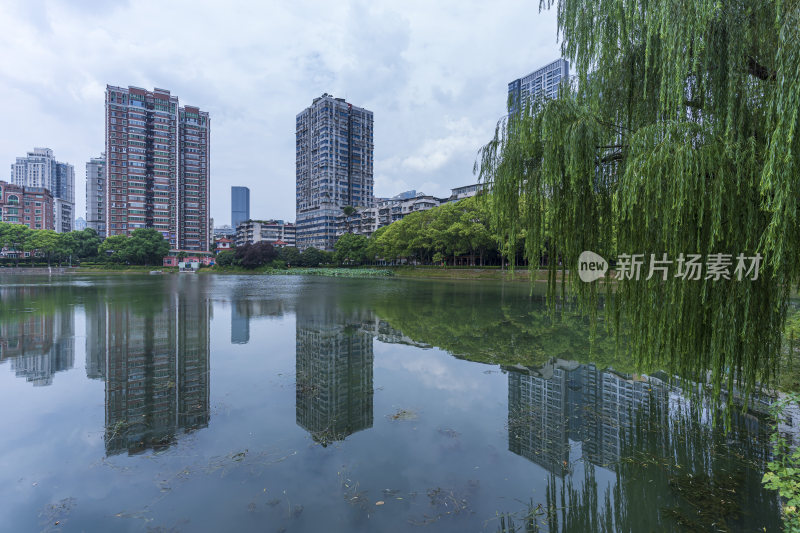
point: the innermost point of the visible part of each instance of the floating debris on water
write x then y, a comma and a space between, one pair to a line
404, 414
448, 432
55, 514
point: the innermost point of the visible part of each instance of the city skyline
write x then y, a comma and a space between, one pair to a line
437, 101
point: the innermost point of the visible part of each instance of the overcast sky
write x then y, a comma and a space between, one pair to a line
435, 75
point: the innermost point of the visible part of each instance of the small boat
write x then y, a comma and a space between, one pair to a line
154, 272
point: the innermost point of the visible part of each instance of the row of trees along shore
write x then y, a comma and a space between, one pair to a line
456, 233
142, 247
264, 254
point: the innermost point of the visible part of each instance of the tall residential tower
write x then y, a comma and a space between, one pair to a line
39, 168
543, 81
157, 161
334, 167
96, 194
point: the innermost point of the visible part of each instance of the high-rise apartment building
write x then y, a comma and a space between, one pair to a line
157, 161
240, 205
544, 81
194, 229
39, 168
334, 167
96, 194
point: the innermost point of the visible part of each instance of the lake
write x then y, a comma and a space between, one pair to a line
288, 403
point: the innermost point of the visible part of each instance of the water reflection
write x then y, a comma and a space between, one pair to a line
240, 324
247, 305
594, 446
563, 401
667, 455
155, 362
38, 343
334, 366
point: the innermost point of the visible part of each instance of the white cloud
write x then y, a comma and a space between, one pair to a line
434, 74
461, 139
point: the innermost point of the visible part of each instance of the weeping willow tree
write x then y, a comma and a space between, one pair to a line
678, 135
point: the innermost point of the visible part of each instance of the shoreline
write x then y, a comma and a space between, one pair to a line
519, 274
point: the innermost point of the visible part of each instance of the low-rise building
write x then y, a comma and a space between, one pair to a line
175, 257
222, 244
225, 231
271, 231
31, 206
466, 191
368, 220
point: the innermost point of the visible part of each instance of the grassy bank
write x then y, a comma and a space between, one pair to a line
100, 268
412, 272
303, 271
476, 273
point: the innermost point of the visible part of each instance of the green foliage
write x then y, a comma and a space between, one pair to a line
87, 243
519, 331
255, 255
14, 236
334, 272
446, 231
350, 249
311, 257
290, 255
147, 246
114, 248
143, 247
47, 244
783, 472
225, 258
679, 137
348, 211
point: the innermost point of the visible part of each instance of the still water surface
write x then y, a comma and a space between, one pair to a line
258, 403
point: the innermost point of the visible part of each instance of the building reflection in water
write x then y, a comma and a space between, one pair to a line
240, 325
564, 401
563, 406
334, 366
37, 342
245, 307
155, 362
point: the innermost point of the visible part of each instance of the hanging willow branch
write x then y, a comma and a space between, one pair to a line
679, 136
